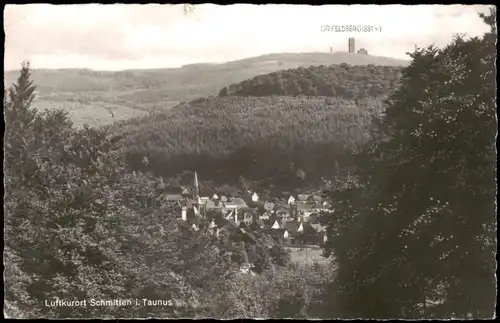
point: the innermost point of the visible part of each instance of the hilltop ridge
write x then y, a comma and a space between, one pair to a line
343, 81
102, 97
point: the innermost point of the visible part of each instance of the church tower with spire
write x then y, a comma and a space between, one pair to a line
196, 189
196, 195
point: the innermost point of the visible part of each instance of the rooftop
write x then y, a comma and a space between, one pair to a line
305, 207
318, 227
236, 202
290, 226
173, 197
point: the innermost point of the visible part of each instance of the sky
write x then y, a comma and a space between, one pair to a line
118, 37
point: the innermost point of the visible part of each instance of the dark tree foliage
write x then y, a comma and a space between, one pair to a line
23, 92
79, 226
257, 138
72, 222
415, 233
342, 81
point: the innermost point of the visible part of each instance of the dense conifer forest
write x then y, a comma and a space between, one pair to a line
263, 139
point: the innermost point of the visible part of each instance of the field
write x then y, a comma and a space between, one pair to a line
98, 98
307, 255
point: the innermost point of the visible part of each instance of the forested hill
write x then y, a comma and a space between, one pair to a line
258, 138
267, 129
349, 82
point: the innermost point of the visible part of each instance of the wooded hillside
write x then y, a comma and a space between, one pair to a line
346, 81
223, 138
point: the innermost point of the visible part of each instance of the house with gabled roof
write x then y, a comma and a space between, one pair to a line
236, 202
313, 233
290, 226
276, 225
301, 227
224, 207
292, 231
241, 230
186, 192
190, 201
212, 204
299, 232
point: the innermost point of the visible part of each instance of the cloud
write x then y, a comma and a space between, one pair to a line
139, 36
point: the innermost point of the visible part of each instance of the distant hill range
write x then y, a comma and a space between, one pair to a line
101, 97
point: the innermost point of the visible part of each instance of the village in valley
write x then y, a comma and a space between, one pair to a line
257, 175
296, 223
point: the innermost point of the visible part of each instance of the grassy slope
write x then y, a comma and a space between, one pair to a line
89, 96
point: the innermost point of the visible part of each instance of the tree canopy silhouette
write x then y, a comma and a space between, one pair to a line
414, 233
